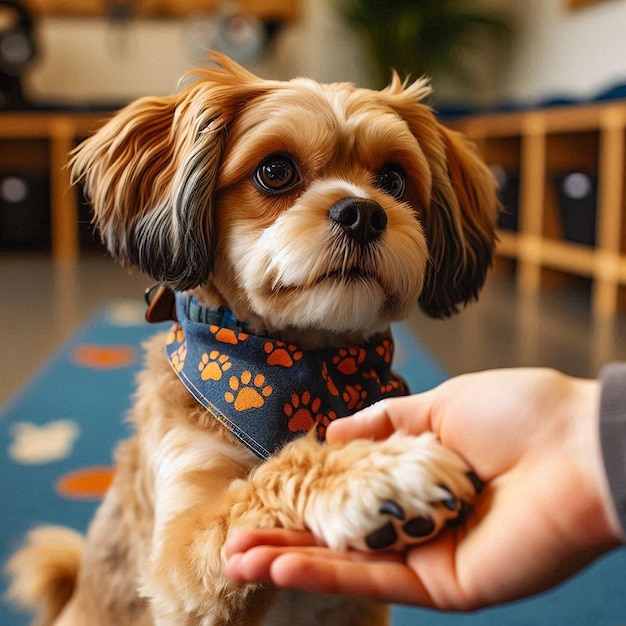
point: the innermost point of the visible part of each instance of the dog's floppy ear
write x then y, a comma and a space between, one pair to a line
460, 226
150, 173
460, 222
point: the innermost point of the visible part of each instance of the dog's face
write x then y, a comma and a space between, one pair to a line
300, 205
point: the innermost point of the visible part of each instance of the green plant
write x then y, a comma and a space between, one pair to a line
437, 38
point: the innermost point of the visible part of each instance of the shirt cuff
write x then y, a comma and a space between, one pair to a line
613, 434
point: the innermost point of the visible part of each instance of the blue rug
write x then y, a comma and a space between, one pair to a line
57, 435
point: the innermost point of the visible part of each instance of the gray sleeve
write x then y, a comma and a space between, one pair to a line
613, 433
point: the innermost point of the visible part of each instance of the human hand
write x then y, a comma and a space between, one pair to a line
532, 436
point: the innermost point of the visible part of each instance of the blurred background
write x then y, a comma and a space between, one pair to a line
539, 85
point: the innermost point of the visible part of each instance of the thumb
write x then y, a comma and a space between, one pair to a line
411, 414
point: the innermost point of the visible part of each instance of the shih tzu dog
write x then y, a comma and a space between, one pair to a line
289, 223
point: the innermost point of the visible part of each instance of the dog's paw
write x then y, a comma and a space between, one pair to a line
389, 495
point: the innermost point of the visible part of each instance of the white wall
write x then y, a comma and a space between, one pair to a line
557, 52
87, 60
566, 52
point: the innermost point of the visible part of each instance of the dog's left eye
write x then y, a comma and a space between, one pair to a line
276, 173
392, 180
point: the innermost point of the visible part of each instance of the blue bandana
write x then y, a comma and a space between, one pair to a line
266, 392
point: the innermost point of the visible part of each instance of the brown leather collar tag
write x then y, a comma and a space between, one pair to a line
161, 302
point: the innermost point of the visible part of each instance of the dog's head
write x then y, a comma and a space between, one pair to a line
300, 205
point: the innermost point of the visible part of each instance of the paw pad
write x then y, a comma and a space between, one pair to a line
415, 488
386, 536
419, 527
213, 365
399, 531
248, 392
383, 537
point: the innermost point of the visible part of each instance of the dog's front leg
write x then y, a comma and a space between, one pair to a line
366, 495
185, 580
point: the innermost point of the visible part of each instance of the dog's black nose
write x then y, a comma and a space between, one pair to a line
361, 219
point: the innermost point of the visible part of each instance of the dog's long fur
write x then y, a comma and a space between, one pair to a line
174, 182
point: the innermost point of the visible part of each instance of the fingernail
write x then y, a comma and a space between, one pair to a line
372, 409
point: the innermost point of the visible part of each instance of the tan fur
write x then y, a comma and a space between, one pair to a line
45, 571
172, 183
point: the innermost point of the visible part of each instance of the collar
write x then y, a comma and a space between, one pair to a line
267, 392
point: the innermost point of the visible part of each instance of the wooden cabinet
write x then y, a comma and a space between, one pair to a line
43, 141
537, 149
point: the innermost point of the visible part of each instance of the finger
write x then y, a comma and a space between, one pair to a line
251, 567
255, 564
387, 581
408, 413
244, 540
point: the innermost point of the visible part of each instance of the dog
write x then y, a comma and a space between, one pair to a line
294, 221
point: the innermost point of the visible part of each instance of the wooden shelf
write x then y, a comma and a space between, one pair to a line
563, 119
59, 131
536, 145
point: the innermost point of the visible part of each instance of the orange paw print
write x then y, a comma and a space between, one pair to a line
385, 349
279, 353
332, 388
354, 396
103, 357
392, 385
227, 335
87, 483
372, 375
302, 411
176, 335
303, 414
349, 360
247, 392
322, 424
213, 365
178, 357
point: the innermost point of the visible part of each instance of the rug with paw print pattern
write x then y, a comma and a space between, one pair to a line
57, 436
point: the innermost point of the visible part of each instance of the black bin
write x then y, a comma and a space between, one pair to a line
577, 193
24, 212
508, 194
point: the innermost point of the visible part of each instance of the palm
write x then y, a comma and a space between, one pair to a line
532, 436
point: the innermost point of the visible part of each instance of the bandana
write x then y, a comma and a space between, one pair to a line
267, 392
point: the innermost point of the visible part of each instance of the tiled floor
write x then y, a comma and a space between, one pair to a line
42, 304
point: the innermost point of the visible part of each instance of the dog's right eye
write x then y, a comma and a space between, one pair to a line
276, 173
392, 180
